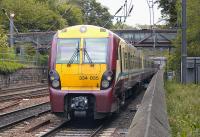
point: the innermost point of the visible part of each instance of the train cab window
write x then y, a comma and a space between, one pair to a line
95, 50
68, 49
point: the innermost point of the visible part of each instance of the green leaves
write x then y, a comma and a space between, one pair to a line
9, 67
3, 38
32, 15
45, 15
173, 9
168, 10
94, 13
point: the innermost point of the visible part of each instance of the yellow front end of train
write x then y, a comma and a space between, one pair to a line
81, 57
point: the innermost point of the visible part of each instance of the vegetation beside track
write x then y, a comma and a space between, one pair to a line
9, 67
183, 105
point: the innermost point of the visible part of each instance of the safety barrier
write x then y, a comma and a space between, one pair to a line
151, 118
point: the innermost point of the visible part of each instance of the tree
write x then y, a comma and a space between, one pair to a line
193, 33
3, 39
94, 13
32, 15
169, 11
71, 13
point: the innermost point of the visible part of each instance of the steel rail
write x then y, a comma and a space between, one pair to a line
54, 129
24, 94
17, 116
21, 88
97, 130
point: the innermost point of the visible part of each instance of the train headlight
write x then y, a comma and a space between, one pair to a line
107, 80
54, 79
55, 83
105, 84
83, 29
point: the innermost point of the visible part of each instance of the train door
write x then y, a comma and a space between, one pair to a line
119, 68
129, 66
126, 66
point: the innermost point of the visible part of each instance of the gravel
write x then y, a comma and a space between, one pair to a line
23, 104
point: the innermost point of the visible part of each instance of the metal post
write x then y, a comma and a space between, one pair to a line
184, 44
11, 29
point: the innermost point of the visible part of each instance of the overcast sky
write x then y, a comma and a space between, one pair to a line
140, 13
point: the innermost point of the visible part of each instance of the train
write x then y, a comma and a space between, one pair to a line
91, 70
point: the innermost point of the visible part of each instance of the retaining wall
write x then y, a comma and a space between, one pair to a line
151, 118
23, 76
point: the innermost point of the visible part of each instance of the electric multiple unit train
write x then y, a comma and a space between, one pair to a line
91, 69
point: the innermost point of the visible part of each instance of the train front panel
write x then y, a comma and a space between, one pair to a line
81, 76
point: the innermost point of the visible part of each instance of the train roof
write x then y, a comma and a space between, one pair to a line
86, 31
82, 29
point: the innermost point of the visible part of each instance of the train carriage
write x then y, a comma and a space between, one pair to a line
90, 70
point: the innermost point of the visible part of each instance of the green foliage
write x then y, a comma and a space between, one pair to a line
31, 15
193, 33
183, 109
43, 60
94, 13
71, 13
168, 10
9, 67
3, 39
45, 15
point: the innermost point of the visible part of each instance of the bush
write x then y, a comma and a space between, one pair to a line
9, 67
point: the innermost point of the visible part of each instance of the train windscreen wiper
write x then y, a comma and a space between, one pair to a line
75, 54
88, 57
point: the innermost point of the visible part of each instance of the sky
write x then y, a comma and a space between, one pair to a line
140, 14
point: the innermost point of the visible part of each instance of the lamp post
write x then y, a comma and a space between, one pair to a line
11, 29
12, 26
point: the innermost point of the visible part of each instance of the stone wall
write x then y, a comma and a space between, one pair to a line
24, 76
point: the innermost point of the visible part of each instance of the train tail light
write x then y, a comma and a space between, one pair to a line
54, 79
107, 79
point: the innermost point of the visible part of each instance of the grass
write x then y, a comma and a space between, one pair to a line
183, 106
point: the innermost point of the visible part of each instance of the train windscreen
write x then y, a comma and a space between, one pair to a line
68, 50
95, 50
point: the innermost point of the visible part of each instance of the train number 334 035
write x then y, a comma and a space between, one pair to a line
88, 78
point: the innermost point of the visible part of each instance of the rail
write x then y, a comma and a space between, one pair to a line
17, 116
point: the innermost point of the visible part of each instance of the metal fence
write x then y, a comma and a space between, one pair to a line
10, 55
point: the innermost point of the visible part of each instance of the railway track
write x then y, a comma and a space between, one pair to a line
21, 88
17, 116
30, 93
82, 127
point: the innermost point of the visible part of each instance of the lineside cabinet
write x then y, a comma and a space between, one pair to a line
193, 70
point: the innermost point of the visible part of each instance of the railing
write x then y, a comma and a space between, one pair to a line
8, 55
